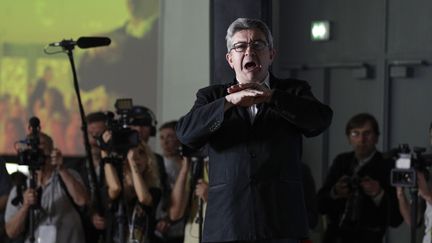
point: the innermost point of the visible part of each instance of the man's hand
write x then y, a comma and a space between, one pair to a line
424, 191
370, 186
248, 94
98, 221
201, 190
342, 188
30, 197
163, 226
57, 158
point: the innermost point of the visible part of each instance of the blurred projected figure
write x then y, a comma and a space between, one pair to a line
13, 127
129, 65
55, 114
35, 102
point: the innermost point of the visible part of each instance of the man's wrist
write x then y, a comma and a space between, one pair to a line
227, 104
269, 97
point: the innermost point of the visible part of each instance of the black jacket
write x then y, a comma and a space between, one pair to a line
370, 221
255, 184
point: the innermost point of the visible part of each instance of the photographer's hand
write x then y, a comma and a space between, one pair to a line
16, 225
75, 187
370, 186
341, 188
30, 198
179, 198
201, 190
106, 136
98, 221
404, 205
138, 164
424, 191
57, 158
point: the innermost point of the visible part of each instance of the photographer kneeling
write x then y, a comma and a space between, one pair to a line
54, 198
356, 198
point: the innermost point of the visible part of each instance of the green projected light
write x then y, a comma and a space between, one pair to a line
38, 21
33, 83
320, 30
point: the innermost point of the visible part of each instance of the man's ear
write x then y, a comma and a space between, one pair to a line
272, 54
229, 60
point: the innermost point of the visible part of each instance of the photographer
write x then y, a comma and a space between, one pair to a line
426, 194
169, 232
356, 197
94, 215
185, 202
5, 186
140, 194
58, 191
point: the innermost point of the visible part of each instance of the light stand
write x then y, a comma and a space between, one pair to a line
197, 171
414, 196
32, 207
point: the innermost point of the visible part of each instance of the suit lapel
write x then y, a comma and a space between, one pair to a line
262, 108
242, 112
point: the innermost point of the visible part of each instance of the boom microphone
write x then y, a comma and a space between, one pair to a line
83, 42
63, 43
89, 42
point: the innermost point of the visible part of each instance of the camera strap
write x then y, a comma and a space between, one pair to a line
63, 186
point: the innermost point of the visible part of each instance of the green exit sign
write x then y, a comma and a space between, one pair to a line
320, 30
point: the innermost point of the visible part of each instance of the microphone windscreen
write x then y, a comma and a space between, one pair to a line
89, 42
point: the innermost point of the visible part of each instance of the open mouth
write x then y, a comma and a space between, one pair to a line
251, 65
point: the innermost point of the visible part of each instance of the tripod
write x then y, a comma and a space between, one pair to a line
119, 205
32, 216
414, 204
197, 171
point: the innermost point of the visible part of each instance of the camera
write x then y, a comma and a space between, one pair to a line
30, 154
123, 137
189, 152
407, 163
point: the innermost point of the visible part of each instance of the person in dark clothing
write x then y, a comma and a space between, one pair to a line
253, 128
356, 198
95, 215
136, 191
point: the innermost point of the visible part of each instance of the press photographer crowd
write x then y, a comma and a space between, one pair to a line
129, 193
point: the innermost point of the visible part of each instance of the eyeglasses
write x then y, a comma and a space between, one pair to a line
358, 133
254, 45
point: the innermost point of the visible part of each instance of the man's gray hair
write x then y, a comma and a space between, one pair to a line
245, 24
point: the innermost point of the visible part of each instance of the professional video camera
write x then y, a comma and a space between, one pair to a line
123, 137
407, 163
29, 152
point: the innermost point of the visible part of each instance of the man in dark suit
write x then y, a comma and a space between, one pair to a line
356, 198
253, 128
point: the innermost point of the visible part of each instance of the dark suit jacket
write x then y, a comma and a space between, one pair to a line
255, 185
370, 220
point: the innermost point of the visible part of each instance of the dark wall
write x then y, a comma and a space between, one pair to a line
222, 14
377, 61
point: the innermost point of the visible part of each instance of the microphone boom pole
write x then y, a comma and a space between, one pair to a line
68, 46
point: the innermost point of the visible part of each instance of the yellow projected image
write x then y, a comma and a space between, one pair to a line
33, 83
